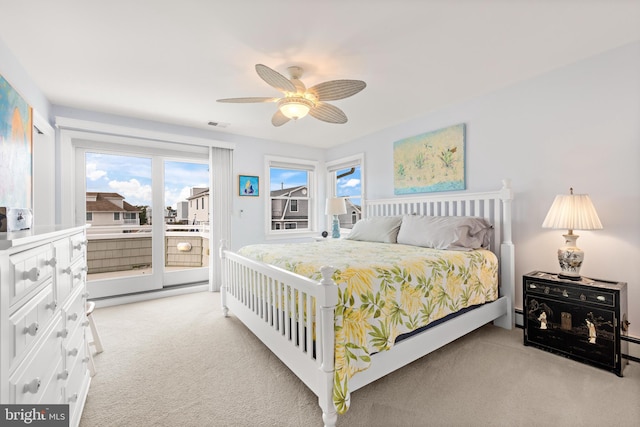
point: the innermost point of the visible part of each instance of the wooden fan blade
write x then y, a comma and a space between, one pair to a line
275, 79
248, 100
328, 113
279, 119
337, 89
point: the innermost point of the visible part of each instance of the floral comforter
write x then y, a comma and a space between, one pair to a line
385, 290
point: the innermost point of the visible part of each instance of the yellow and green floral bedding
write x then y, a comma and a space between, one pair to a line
385, 290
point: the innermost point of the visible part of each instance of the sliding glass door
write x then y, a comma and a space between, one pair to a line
149, 218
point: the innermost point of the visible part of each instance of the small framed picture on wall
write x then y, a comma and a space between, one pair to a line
248, 185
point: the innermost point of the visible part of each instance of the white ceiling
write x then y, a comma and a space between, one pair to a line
168, 61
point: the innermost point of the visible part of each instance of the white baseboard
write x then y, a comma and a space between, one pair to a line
145, 296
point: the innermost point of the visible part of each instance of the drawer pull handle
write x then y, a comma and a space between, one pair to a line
532, 286
73, 352
583, 297
601, 298
73, 398
85, 323
79, 245
85, 360
73, 317
77, 275
67, 270
63, 333
52, 262
33, 274
85, 295
32, 387
85, 269
32, 329
52, 305
63, 375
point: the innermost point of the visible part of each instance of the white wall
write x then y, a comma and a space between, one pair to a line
578, 127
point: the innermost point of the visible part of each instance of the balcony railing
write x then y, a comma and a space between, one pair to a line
128, 247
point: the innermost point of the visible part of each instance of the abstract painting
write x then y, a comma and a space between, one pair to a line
429, 162
16, 126
248, 185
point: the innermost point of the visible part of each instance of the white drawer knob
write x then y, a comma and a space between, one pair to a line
77, 275
52, 262
73, 352
79, 245
52, 305
32, 387
85, 323
67, 270
32, 274
73, 317
85, 295
63, 375
73, 398
63, 333
601, 298
32, 329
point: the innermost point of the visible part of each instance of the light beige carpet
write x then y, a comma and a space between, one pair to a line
178, 362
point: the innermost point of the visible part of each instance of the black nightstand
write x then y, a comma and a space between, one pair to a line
581, 320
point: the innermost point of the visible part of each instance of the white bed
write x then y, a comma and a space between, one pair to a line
252, 289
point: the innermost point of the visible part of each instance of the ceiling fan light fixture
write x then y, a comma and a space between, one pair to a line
295, 107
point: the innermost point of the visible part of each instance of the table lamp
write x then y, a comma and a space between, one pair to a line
571, 212
335, 206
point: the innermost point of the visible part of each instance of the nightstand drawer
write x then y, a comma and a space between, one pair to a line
602, 297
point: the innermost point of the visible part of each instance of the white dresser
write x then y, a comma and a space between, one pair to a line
43, 356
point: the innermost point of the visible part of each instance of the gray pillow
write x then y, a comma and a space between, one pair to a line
460, 233
383, 229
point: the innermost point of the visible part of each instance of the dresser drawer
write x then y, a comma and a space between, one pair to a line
30, 380
29, 269
73, 311
74, 348
78, 375
54, 389
593, 295
78, 245
29, 322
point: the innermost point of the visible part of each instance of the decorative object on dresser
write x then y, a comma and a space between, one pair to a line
582, 320
571, 212
335, 206
43, 357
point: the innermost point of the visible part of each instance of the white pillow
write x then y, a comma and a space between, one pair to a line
383, 229
460, 233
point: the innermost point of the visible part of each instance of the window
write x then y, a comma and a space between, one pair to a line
345, 180
292, 193
89, 216
116, 216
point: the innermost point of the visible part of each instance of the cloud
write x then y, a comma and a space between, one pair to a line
173, 196
93, 173
133, 192
353, 182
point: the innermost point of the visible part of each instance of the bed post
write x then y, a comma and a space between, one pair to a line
507, 258
328, 302
223, 285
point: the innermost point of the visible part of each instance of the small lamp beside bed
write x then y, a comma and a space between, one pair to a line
571, 212
335, 206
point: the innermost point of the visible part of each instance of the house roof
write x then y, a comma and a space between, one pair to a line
103, 204
284, 191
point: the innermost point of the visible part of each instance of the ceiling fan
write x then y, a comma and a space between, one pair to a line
298, 101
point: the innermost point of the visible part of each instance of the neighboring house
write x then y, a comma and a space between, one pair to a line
354, 213
182, 212
110, 209
198, 210
290, 208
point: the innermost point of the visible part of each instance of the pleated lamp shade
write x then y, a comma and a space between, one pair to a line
572, 212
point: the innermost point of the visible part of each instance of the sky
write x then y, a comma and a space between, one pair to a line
347, 186
130, 177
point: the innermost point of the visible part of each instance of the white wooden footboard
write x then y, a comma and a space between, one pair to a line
282, 308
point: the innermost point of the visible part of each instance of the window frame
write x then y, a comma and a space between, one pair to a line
311, 167
343, 163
